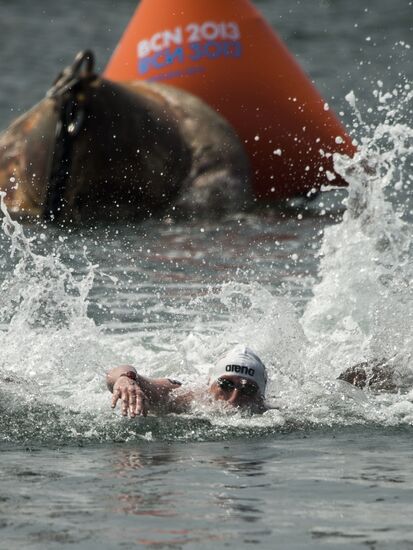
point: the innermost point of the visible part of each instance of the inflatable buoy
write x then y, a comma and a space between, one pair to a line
94, 149
224, 52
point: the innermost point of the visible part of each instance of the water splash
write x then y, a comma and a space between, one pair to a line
42, 291
362, 305
51, 353
360, 309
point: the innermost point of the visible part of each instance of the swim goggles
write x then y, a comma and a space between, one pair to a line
245, 387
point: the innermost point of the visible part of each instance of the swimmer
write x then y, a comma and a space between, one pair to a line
378, 375
238, 380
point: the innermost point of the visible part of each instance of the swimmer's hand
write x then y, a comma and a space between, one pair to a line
133, 400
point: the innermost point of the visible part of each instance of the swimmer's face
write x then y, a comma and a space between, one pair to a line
236, 391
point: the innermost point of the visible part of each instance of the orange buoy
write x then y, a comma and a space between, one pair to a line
225, 52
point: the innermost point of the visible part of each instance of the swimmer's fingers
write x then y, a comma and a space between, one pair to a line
125, 401
116, 396
121, 394
133, 391
141, 403
133, 401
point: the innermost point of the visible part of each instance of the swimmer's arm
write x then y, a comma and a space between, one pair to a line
143, 395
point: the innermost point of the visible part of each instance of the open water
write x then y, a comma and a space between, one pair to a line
313, 288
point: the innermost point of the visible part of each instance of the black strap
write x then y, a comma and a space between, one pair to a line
72, 113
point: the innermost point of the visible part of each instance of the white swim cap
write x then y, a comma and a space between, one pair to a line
240, 361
